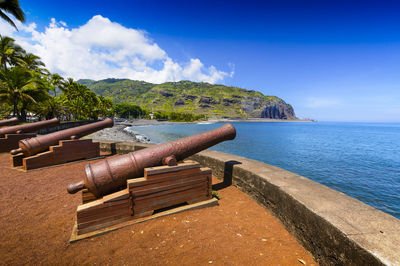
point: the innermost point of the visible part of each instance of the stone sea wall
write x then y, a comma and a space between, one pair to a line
335, 228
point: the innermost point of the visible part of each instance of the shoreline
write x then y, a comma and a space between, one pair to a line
119, 133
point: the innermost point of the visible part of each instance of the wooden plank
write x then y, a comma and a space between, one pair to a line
136, 182
102, 220
202, 184
167, 200
153, 188
97, 214
103, 229
117, 196
166, 169
170, 174
103, 208
165, 197
100, 226
87, 196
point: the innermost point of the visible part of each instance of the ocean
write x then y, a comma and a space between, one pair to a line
359, 159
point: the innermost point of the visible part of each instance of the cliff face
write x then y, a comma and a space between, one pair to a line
279, 110
194, 97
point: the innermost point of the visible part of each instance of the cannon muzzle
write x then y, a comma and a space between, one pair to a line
9, 122
42, 143
110, 175
28, 128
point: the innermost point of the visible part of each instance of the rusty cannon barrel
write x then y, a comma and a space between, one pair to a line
109, 175
28, 128
42, 143
9, 122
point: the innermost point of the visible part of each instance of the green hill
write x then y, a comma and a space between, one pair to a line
193, 97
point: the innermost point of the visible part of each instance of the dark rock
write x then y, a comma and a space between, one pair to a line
237, 96
166, 94
249, 104
189, 97
204, 105
229, 101
179, 102
207, 100
278, 110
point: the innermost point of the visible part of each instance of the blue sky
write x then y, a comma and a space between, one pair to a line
332, 60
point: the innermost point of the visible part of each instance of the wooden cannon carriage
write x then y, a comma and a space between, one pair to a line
137, 186
11, 135
58, 147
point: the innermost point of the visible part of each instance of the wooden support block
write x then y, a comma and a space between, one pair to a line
108, 210
10, 141
142, 181
163, 187
66, 151
168, 184
16, 160
169, 200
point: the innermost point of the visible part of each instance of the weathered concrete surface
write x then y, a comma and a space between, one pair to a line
335, 228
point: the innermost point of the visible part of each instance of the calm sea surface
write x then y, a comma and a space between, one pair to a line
359, 159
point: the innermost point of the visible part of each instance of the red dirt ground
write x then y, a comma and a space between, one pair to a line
37, 215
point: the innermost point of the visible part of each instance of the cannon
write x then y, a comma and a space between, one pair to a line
9, 122
10, 136
63, 146
130, 188
109, 175
28, 128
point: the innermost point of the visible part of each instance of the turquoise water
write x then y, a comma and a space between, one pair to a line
359, 159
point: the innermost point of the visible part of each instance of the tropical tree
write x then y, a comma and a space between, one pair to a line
56, 81
26, 86
105, 106
32, 62
10, 53
19, 87
12, 7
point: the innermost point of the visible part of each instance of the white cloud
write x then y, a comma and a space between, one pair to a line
104, 49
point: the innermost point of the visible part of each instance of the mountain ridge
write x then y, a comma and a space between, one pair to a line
212, 100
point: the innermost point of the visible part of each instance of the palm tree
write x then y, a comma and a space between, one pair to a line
10, 53
56, 82
20, 86
105, 106
32, 62
12, 7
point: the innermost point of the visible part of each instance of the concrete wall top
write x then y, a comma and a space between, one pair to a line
335, 228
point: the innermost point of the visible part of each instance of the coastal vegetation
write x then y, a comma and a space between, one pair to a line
196, 98
27, 87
